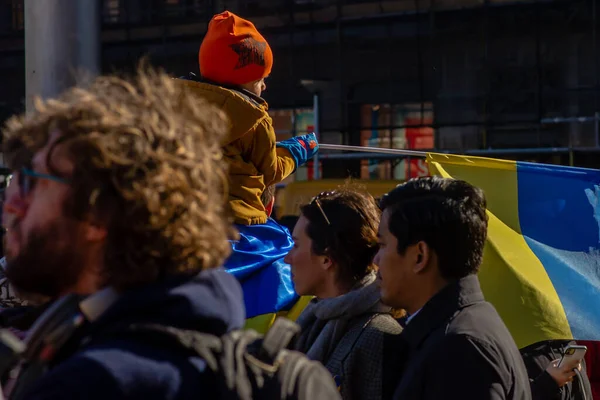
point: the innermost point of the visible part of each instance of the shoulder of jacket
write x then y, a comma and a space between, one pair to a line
372, 332
244, 113
385, 323
228, 93
464, 340
366, 329
490, 332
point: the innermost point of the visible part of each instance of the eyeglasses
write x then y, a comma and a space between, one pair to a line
27, 178
316, 202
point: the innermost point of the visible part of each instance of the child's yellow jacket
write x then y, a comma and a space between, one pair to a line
254, 161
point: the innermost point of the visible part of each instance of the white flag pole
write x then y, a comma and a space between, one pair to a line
400, 152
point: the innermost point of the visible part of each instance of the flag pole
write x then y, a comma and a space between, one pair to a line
364, 149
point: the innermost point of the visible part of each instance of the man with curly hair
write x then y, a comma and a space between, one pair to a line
123, 204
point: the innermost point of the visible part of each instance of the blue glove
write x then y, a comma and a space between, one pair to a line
302, 148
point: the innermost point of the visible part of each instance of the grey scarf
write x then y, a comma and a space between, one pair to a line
324, 322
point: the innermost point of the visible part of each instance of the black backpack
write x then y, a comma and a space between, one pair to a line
249, 366
244, 364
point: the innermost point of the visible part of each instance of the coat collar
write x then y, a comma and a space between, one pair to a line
441, 307
246, 93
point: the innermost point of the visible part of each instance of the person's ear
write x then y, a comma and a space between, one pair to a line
95, 229
421, 255
325, 262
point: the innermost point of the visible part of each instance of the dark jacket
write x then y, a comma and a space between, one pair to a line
537, 357
119, 368
459, 348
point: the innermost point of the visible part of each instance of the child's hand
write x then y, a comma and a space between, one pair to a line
309, 142
302, 148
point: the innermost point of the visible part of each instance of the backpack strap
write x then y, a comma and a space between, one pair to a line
279, 337
202, 344
223, 355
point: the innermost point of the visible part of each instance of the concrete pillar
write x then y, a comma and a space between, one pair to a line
62, 44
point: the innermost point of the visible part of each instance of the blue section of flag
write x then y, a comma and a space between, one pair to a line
559, 216
257, 262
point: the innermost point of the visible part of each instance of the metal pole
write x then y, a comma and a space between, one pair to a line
486, 73
373, 153
379, 150
342, 82
292, 81
420, 65
62, 40
539, 71
596, 120
571, 157
435, 49
381, 153
317, 133
596, 81
595, 52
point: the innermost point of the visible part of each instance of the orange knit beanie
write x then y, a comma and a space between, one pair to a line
233, 52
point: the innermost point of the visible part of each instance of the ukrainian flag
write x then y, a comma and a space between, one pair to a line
257, 262
541, 266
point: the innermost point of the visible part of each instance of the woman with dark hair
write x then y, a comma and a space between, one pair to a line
345, 325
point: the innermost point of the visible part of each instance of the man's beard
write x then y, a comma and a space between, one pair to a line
49, 263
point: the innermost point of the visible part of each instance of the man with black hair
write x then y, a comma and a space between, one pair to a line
432, 235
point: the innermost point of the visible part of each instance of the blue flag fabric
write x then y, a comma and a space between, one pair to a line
257, 262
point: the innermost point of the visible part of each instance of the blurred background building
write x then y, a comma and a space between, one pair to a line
500, 78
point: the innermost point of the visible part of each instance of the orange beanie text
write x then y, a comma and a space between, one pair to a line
233, 52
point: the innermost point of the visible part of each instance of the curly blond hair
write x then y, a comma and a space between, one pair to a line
148, 165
